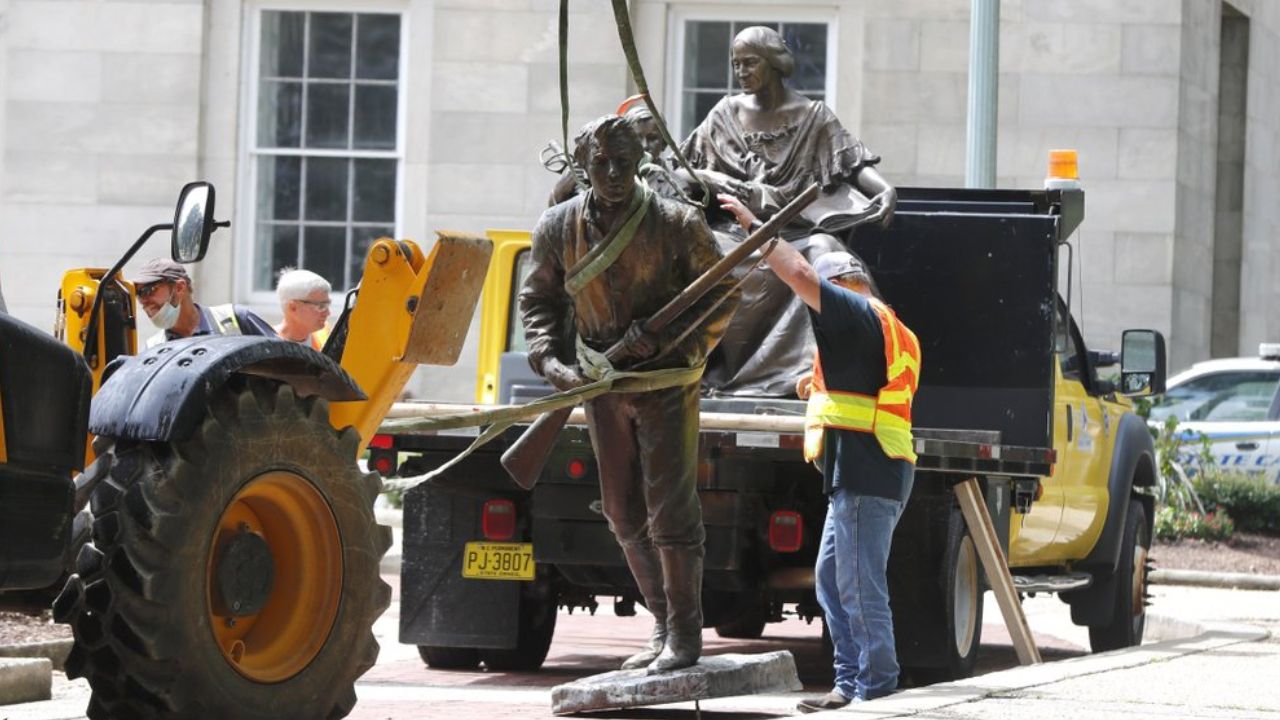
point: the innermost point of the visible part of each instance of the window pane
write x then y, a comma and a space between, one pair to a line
378, 47
808, 42
280, 114
375, 117
515, 323
696, 107
362, 236
328, 108
330, 51
706, 55
324, 252
279, 187
277, 249
1220, 396
282, 34
375, 191
327, 189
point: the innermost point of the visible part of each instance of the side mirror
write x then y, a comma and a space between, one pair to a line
193, 222
1142, 363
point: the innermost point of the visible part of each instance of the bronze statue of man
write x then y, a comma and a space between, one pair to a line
604, 261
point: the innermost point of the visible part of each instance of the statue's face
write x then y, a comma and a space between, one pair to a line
612, 168
750, 67
650, 137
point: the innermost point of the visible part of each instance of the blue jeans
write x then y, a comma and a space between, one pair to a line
853, 591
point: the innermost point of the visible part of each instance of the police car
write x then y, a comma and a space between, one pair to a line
1234, 402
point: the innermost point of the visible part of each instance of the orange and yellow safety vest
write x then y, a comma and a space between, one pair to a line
887, 415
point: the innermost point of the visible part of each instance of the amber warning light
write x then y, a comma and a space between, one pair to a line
1064, 171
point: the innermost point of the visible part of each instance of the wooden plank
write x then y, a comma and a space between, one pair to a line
997, 569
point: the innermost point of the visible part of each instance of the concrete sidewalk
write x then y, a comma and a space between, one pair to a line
1222, 661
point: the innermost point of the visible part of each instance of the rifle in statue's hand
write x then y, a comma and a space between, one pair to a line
528, 455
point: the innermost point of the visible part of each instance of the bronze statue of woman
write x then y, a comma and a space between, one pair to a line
764, 146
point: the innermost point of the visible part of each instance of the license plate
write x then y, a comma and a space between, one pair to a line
498, 561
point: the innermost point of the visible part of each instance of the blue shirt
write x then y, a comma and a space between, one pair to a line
851, 348
249, 323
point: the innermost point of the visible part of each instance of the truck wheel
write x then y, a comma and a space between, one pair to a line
746, 625
1129, 615
232, 574
449, 658
538, 604
961, 607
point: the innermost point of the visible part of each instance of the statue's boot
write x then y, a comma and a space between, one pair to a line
646, 568
682, 578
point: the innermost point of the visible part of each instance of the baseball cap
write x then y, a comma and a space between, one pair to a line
159, 270
834, 264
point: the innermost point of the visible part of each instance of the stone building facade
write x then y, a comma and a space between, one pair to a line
326, 122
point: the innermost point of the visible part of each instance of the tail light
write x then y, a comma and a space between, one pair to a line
381, 442
385, 464
786, 531
576, 469
498, 520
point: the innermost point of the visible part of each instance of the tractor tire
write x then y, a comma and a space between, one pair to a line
1128, 586
233, 573
449, 658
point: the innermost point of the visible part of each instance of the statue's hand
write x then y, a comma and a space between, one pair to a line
638, 343
561, 376
885, 203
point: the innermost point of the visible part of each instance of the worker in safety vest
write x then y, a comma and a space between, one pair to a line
304, 300
165, 293
858, 426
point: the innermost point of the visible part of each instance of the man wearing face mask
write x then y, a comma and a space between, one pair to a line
165, 293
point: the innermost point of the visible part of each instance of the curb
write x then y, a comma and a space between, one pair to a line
1201, 578
1178, 638
55, 651
25, 680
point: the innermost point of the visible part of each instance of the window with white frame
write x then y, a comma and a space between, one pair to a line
324, 150
705, 74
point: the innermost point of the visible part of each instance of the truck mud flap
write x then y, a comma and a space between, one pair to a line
438, 606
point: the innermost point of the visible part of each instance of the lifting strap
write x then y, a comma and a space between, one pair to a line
623, 20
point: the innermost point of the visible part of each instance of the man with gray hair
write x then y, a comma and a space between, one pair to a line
304, 299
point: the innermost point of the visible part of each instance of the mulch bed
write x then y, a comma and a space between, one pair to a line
20, 629
1243, 553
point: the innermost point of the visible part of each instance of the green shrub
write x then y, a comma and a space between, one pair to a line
1254, 504
1175, 524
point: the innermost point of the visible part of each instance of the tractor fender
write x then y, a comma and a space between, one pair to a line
1132, 464
162, 394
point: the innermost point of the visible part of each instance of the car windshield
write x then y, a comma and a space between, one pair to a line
1231, 396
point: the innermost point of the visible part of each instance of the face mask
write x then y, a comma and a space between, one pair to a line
167, 316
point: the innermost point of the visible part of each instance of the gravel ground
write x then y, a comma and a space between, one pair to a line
1243, 553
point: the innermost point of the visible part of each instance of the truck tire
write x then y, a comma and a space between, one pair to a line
449, 658
233, 573
961, 596
746, 625
538, 605
1129, 586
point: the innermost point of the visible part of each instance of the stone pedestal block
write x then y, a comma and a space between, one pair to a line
712, 677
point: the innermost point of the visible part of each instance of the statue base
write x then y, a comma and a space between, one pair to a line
712, 677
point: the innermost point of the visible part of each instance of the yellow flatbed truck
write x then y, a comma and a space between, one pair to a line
1009, 395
